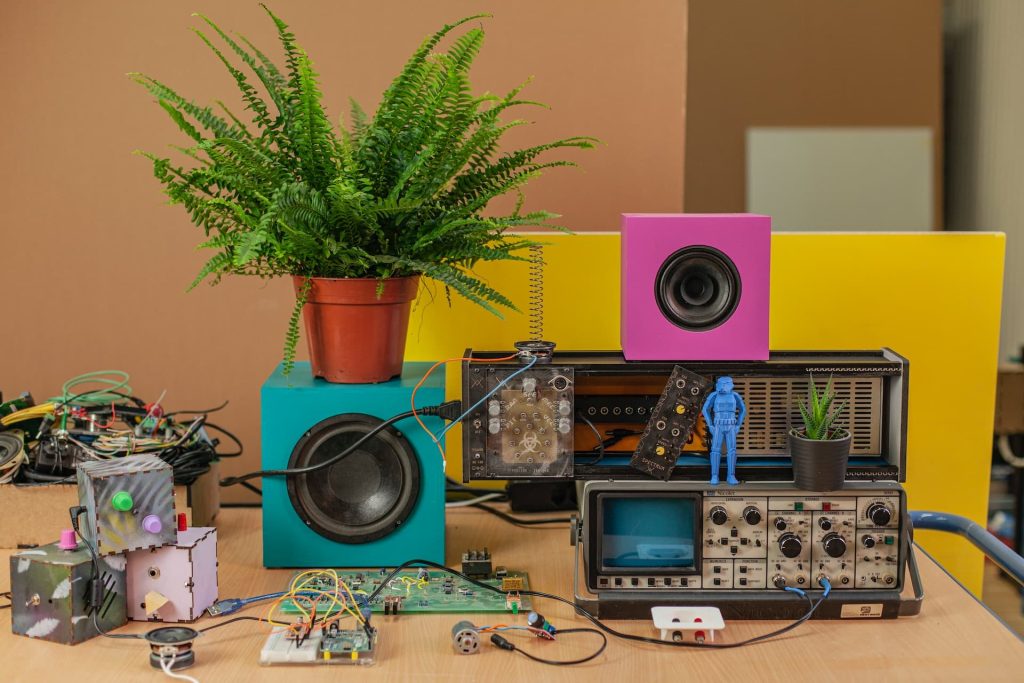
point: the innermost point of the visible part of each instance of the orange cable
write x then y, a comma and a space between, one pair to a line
412, 399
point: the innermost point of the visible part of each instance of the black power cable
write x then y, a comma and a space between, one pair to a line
520, 521
505, 644
447, 411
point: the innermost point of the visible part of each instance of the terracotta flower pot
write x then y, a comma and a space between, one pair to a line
819, 465
354, 335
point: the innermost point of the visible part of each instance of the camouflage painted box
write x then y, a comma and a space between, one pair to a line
50, 594
176, 582
129, 503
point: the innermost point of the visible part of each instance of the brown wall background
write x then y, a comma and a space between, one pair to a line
95, 266
803, 63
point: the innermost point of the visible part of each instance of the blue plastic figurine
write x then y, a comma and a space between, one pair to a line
724, 403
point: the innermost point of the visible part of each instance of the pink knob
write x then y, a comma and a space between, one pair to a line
67, 540
152, 524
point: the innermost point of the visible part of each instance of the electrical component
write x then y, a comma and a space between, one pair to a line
645, 544
697, 624
465, 638
170, 647
332, 645
512, 583
392, 604
537, 621
12, 454
57, 594
129, 503
580, 609
671, 423
477, 563
20, 402
105, 421
439, 592
175, 582
520, 423
614, 394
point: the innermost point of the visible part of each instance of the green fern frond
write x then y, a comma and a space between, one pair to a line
402, 192
291, 340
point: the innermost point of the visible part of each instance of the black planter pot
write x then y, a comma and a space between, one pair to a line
819, 465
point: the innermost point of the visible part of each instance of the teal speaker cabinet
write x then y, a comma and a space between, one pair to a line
379, 506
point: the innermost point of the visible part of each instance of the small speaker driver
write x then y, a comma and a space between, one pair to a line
697, 288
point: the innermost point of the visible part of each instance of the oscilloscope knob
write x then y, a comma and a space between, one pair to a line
718, 515
790, 545
780, 523
834, 544
751, 515
879, 514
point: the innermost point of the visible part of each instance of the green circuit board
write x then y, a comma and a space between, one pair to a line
438, 592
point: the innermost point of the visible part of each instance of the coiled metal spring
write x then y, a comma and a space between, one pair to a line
536, 293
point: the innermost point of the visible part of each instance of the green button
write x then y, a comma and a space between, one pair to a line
798, 506
122, 501
889, 540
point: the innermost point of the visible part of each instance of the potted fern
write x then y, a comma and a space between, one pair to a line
355, 214
820, 451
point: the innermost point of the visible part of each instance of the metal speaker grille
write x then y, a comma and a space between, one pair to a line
772, 411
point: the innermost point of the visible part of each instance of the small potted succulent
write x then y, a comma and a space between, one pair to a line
355, 214
821, 449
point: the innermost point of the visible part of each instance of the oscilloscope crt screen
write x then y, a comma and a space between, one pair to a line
650, 532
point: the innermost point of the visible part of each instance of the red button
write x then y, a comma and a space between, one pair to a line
826, 506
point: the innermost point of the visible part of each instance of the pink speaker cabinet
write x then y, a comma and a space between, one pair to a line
695, 286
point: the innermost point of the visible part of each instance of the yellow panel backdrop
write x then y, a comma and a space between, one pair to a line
933, 297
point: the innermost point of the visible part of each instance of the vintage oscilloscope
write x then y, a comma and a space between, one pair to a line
645, 544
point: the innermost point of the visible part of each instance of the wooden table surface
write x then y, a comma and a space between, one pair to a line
954, 638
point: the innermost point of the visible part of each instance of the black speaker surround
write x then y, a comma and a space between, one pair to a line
366, 495
697, 288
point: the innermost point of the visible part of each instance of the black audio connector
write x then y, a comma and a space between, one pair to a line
449, 410
501, 642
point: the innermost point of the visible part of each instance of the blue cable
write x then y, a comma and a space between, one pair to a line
492, 392
228, 606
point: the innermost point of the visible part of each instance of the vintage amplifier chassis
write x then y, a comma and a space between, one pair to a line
612, 393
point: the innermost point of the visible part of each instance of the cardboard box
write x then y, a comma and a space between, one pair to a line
34, 515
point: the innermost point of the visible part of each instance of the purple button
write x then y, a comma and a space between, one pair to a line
152, 524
